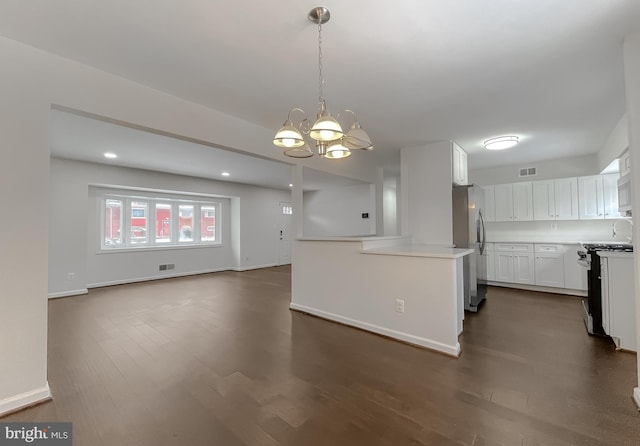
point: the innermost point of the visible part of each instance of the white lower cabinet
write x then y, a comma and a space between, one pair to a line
549, 265
541, 264
514, 263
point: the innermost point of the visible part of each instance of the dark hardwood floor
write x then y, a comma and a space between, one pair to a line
219, 359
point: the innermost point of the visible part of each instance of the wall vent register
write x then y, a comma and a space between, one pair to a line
528, 172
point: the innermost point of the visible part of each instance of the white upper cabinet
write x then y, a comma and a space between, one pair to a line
624, 163
598, 196
555, 199
513, 202
566, 195
544, 201
591, 197
459, 165
610, 193
522, 201
503, 195
489, 203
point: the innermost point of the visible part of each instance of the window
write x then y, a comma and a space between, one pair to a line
163, 223
138, 228
177, 222
207, 223
112, 236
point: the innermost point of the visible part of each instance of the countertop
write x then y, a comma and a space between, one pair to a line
357, 238
418, 250
616, 254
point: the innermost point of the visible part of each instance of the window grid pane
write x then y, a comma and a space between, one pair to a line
113, 223
138, 222
185, 222
163, 223
207, 223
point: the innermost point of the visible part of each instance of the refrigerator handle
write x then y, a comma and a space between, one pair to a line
484, 232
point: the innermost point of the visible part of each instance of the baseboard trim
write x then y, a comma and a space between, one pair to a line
68, 293
451, 350
24, 400
636, 396
249, 268
158, 277
544, 289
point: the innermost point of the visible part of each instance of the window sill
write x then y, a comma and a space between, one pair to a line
157, 248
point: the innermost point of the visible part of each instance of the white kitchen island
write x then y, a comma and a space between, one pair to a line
358, 281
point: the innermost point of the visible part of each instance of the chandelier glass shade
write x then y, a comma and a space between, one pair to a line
330, 140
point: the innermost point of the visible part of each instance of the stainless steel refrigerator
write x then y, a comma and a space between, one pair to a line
469, 232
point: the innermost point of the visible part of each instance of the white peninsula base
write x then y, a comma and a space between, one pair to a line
359, 281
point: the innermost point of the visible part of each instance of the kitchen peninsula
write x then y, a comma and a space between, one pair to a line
386, 285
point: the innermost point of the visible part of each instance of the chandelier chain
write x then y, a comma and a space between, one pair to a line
320, 79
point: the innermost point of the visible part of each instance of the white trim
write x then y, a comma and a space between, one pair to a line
149, 278
249, 268
636, 396
68, 293
452, 350
26, 399
544, 289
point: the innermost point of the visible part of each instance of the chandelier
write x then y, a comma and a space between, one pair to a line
330, 140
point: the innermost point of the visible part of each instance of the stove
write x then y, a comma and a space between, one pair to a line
592, 305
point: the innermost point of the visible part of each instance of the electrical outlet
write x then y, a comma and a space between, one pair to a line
71, 276
554, 226
399, 306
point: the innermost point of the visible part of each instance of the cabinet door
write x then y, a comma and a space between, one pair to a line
590, 197
489, 203
575, 275
610, 192
566, 198
522, 201
544, 207
549, 270
503, 266
503, 202
523, 268
491, 265
459, 165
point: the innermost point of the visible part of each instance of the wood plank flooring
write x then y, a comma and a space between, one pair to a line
219, 359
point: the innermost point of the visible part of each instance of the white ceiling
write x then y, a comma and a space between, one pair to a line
414, 71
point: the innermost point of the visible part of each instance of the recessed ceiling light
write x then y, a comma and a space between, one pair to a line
501, 142
290, 185
110, 155
225, 174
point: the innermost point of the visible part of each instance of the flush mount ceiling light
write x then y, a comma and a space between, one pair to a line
110, 155
330, 140
501, 142
225, 174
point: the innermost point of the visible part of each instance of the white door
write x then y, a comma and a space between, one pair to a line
284, 235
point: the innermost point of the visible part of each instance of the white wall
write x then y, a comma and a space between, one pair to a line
426, 193
616, 143
631, 51
31, 81
390, 206
546, 170
74, 228
337, 211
